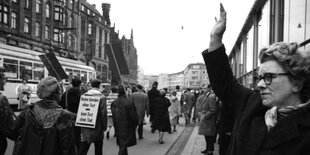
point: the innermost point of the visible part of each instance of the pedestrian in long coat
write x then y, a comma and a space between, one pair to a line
161, 118
125, 121
152, 94
141, 101
208, 119
174, 110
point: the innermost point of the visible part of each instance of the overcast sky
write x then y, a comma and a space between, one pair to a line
162, 45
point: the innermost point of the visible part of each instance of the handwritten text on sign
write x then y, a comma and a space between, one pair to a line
87, 113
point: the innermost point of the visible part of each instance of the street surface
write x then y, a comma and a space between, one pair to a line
185, 141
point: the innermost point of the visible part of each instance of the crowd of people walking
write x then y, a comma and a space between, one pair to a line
272, 119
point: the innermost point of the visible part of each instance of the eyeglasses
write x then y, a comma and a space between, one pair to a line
267, 77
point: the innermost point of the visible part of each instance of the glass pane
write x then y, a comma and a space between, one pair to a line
76, 74
70, 74
84, 76
11, 68
38, 71
25, 70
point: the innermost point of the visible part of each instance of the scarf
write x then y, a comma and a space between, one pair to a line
275, 113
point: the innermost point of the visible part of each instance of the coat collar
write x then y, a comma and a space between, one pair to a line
288, 128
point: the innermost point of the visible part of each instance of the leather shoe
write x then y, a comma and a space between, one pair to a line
204, 151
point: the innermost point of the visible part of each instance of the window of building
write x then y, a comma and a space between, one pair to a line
56, 35
38, 6
64, 19
88, 11
13, 20
83, 8
4, 14
27, 4
37, 30
89, 28
26, 25
70, 21
194, 78
47, 11
47, 32
194, 72
58, 13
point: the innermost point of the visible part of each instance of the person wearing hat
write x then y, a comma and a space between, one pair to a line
6, 114
152, 95
44, 127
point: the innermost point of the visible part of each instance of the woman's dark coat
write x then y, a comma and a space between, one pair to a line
290, 136
152, 94
125, 120
34, 137
161, 115
6, 118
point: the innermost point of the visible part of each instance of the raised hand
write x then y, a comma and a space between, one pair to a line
218, 30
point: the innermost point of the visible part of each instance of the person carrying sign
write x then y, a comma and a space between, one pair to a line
94, 135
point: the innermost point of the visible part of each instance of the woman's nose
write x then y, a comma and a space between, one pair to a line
261, 84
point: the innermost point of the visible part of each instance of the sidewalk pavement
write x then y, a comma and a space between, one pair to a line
196, 143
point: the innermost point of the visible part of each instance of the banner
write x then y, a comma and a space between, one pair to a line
87, 112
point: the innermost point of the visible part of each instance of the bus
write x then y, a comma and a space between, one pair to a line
22, 63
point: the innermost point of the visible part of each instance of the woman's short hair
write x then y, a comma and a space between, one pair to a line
95, 83
294, 61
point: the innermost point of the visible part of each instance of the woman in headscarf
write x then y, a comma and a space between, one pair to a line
161, 115
44, 128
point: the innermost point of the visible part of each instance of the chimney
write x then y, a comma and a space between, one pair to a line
94, 6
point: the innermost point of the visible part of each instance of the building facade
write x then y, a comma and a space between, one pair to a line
72, 29
195, 75
269, 21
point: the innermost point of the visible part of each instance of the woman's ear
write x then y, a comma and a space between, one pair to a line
297, 86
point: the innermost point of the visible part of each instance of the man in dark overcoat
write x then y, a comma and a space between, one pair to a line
153, 94
125, 121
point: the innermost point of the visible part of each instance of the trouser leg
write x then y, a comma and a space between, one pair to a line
98, 147
84, 146
209, 143
123, 150
140, 130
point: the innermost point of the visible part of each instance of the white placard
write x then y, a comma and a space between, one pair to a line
87, 112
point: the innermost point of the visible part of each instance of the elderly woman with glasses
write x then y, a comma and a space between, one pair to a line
274, 118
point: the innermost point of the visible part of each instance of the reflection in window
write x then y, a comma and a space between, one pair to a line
11, 67
38, 71
47, 32
70, 74
26, 25
37, 32
25, 70
38, 6
13, 20
83, 76
76, 74
47, 11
